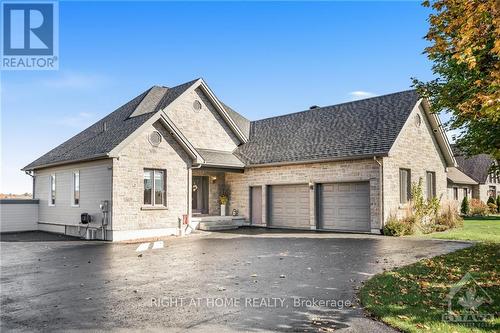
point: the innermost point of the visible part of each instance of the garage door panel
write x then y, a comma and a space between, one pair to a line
345, 206
289, 205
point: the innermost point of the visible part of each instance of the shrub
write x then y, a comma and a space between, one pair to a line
448, 217
464, 208
492, 207
478, 208
498, 203
396, 227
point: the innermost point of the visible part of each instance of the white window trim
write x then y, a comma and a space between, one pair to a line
50, 190
153, 203
72, 194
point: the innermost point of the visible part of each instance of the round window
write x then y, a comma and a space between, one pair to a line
197, 105
154, 138
418, 120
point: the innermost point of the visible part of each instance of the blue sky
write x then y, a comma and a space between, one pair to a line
261, 58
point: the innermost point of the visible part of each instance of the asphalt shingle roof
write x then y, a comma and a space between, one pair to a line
95, 142
348, 130
220, 158
477, 167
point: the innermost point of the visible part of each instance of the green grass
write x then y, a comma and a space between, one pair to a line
413, 298
485, 229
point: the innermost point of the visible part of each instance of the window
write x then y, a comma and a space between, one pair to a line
431, 184
455, 193
52, 190
492, 192
154, 187
466, 192
404, 185
75, 200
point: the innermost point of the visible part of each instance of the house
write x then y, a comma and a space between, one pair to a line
481, 181
163, 158
460, 185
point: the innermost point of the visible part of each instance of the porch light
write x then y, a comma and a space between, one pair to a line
213, 178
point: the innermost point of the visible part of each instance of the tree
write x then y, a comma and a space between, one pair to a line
498, 203
465, 51
464, 208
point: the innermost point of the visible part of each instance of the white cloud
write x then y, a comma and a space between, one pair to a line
359, 94
72, 80
79, 120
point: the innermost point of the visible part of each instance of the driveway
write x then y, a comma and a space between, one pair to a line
247, 280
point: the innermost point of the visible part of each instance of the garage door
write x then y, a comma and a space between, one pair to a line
345, 206
289, 206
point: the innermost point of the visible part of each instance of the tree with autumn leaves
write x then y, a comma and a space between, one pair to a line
465, 51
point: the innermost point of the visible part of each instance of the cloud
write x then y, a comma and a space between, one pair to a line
359, 94
79, 120
73, 80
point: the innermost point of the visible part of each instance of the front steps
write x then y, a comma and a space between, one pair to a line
217, 223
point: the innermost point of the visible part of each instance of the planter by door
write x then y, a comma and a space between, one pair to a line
222, 210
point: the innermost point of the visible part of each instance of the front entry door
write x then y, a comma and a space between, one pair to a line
200, 194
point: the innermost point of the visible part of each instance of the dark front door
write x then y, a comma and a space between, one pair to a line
200, 194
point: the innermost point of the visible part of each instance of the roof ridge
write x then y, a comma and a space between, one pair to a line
333, 105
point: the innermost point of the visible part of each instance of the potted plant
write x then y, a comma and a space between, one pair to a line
223, 200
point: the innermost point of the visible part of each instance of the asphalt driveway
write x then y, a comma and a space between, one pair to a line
247, 280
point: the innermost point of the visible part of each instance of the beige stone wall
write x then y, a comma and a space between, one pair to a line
327, 172
461, 195
415, 149
128, 210
204, 128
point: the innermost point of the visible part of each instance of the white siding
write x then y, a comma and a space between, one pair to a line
18, 216
95, 186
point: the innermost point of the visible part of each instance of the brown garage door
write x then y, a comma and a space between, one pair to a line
289, 206
345, 206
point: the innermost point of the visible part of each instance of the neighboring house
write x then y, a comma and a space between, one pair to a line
163, 158
478, 167
460, 186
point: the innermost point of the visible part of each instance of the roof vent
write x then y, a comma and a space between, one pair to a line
313, 107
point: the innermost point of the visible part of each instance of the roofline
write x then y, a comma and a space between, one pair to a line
222, 111
48, 165
330, 159
328, 106
181, 139
437, 131
443, 141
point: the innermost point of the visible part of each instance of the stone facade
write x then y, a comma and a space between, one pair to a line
327, 172
415, 149
461, 188
129, 212
204, 128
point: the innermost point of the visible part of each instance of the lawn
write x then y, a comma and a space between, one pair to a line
485, 229
414, 298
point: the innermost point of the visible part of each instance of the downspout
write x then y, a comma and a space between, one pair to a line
381, 191
32, 175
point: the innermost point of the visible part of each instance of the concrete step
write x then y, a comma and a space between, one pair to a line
217, 227
218, 222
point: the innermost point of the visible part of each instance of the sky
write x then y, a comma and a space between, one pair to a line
261, 58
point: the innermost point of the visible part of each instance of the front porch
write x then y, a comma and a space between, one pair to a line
208, 184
